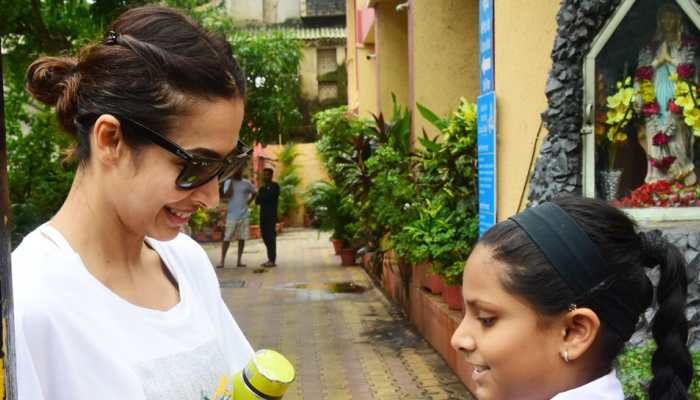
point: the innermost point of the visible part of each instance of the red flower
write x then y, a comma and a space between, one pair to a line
685, 71
674, 108
644, 73
660, 139
662, 164
650, 109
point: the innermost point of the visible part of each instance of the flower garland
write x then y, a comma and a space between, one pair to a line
662, 194
686, 97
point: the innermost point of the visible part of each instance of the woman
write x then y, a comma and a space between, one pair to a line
111, 301
554, 293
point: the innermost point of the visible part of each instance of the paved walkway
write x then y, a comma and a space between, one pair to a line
345, 340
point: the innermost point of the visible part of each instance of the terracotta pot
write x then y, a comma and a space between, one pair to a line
347, 256
434, 283
255, 232
279, 226
337, 245
452, 294
200, 237
217, 236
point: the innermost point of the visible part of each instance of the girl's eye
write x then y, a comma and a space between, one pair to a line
487, 322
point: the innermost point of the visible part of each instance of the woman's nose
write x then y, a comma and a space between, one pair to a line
208, 194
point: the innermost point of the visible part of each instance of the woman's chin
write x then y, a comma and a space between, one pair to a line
163, 234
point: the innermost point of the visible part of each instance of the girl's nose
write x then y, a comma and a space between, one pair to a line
462, 339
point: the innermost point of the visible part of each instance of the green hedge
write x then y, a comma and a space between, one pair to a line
634, 370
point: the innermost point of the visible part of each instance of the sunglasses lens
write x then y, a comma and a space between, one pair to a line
199, 173
194, 175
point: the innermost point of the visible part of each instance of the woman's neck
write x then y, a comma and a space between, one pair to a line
92, 227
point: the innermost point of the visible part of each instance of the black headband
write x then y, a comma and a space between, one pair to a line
577, 260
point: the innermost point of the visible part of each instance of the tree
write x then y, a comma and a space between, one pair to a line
271, 64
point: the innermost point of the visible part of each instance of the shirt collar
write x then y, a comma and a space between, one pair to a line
607, 387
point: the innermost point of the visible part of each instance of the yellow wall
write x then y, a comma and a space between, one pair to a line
367, 92
350, 66
445, 58
361, 66
309, 168
524, 35
309, 73
392, 54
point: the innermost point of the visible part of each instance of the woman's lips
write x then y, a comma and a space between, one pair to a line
178, 217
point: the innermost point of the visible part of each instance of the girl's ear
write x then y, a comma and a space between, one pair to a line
581, 327
108, 140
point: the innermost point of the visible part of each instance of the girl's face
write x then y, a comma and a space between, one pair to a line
514, 350
145, 197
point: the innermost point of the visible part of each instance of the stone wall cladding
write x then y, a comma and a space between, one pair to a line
558, 168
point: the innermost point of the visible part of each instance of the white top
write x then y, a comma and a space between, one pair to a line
238, 204
78, 340
607, 387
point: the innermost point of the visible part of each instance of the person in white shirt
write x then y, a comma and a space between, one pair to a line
238, 215
552, 295
111, 301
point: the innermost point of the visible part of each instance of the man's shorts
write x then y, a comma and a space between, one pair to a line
237, 229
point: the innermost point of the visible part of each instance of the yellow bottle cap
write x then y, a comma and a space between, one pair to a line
267, 376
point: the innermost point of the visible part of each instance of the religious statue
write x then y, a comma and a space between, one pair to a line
664, 135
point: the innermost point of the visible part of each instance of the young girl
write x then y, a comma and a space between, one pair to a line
553, 294
111, 302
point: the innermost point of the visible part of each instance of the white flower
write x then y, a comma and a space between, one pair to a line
259, 81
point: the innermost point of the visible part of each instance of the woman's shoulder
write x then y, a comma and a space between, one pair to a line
41, 267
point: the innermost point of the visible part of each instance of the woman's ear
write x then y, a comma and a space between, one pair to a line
108, 140
581, 327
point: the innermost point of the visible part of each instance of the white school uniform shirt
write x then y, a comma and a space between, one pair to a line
78, 340
607, 387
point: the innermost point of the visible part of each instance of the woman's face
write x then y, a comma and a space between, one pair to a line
670, 23
514, 350
146, 199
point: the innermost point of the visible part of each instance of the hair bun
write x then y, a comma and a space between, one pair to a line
47, 76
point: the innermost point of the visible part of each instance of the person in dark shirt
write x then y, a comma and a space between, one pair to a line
268, 196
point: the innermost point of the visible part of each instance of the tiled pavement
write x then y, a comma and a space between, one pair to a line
343, 345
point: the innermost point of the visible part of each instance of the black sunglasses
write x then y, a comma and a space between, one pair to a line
197, 170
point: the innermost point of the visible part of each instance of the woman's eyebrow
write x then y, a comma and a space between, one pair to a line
480, 303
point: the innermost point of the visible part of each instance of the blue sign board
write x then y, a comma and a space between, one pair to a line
486, 62
486, 155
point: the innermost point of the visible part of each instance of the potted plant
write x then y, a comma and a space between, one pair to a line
197, 223
331, 211
289, 182
452, 290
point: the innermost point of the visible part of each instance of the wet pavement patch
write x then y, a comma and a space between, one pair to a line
331, 287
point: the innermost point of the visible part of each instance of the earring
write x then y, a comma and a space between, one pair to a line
566, 356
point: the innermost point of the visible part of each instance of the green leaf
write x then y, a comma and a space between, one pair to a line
430, 116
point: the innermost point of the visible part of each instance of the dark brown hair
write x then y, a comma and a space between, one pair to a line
530, 276
153, 64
